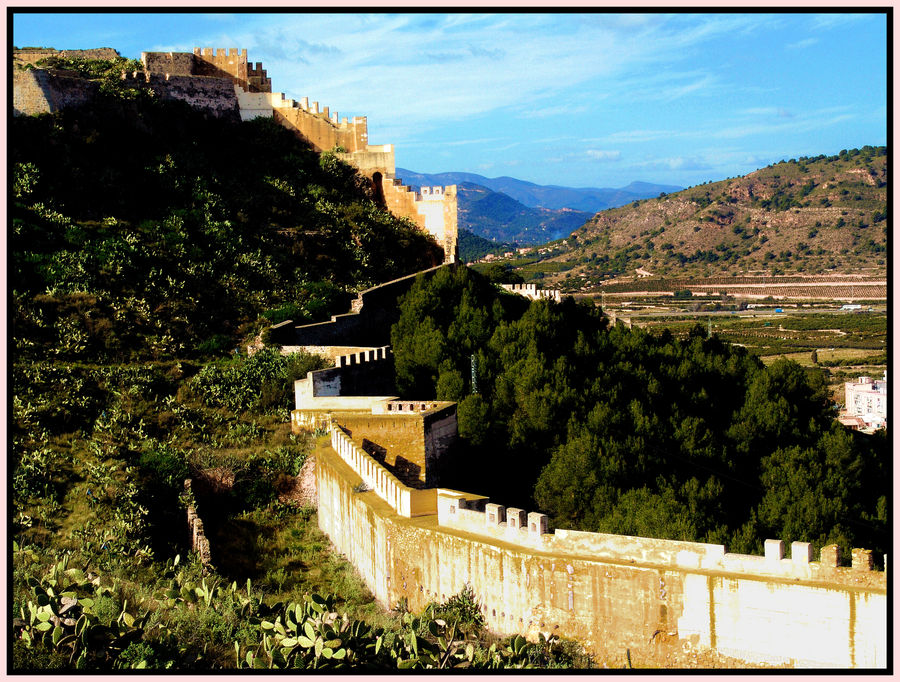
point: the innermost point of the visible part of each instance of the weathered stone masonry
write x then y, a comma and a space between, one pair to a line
434, 209
223, 83
612, 593
197, 538
367, 325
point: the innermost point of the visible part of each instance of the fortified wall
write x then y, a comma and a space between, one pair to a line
410, 438
367, 325
532, 292
612, 593
434, 210
223, 83
378, 476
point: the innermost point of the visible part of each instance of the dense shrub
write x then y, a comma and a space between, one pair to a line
263, 381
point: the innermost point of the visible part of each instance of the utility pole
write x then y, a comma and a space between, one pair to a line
473, 361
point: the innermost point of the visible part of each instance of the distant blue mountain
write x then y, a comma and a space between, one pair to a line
499, 217
586, 199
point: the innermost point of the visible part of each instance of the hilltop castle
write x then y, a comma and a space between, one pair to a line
378, 474
224, 84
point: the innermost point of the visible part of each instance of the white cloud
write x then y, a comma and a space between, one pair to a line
603, 155
799, 125
639, 135
825, 22
801, 44
779, 112
464, 65
679, 163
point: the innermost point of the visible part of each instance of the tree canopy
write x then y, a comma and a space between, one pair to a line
145, 227
619, 430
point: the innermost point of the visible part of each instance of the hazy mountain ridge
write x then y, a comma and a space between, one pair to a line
507, 209
591, 199
499, 217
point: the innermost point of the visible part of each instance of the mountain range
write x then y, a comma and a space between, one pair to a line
587, 199
511, 210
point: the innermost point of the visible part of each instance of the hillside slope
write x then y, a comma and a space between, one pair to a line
810, 215
170, 225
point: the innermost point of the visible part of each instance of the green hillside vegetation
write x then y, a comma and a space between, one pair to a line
499, 216
147, 245
176, 231
472, 247
810, 215
620, 431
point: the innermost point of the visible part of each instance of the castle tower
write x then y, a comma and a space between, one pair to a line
434, 209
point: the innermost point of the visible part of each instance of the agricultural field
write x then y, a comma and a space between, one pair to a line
842, 345
844, 288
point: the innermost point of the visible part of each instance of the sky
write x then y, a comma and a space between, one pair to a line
579, 100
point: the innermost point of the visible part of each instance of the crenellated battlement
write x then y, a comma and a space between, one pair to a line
363, 356
475, 514
413, 540
210, 53
137, 77
433, 209
532, 291
231, 63
191, 77
404, 500
610, 592
349, 385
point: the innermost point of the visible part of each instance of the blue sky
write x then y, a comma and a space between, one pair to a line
586, 100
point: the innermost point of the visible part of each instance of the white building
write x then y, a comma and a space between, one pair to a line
866, 398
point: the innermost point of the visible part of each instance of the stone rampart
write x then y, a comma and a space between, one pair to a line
433, 209
612, 593
32, 55
40, 91
402, 499
171, 63
359, 374
411, 439
368, 324
231, 62
348, 386
223, 63
321, 129
214, 96
222, 82
199, 542
532, 291
374, 159
333, 353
